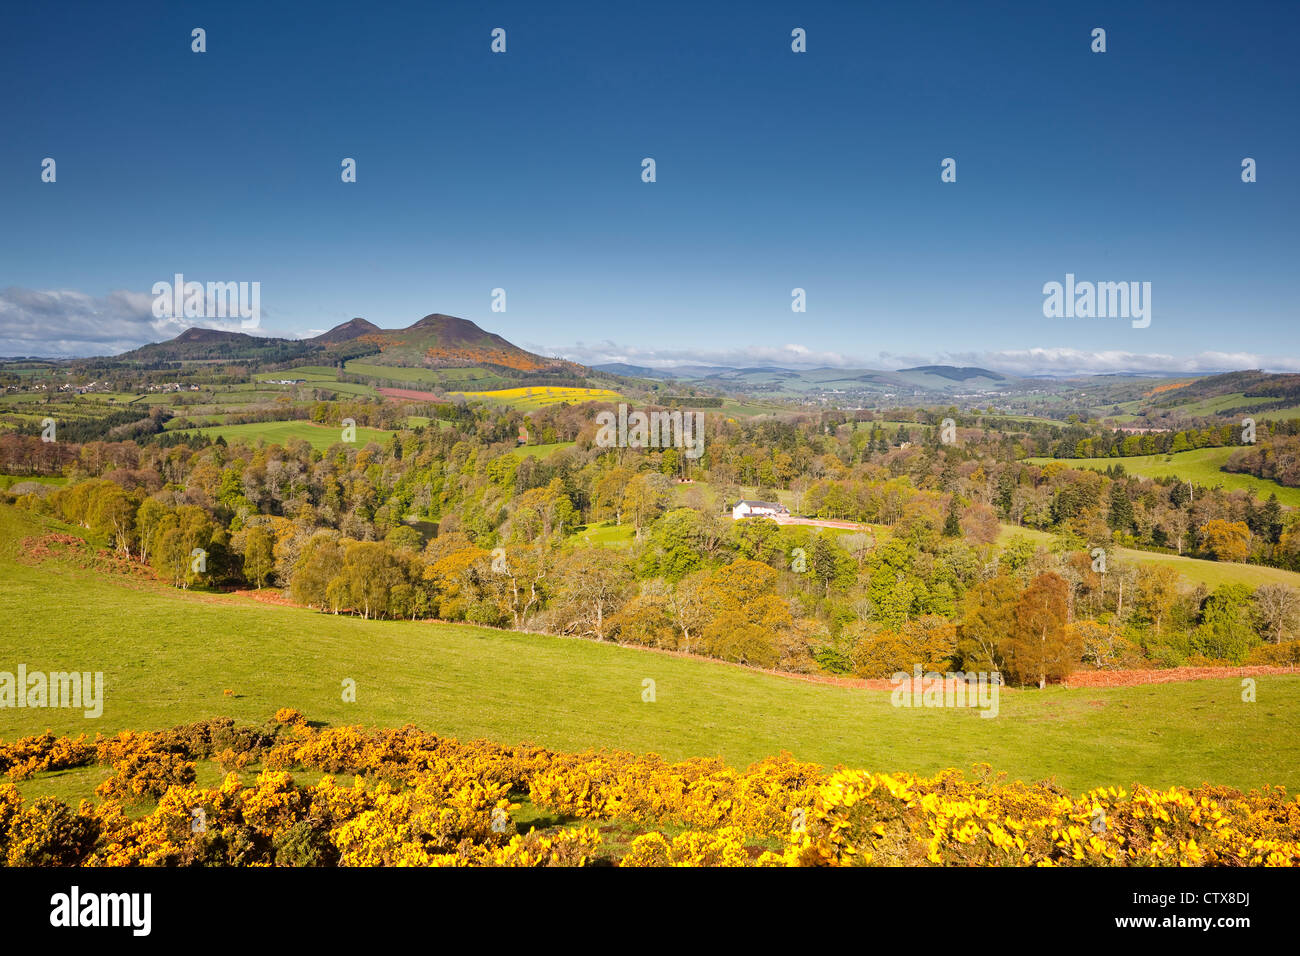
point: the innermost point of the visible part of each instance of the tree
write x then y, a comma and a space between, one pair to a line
1156, 591
259, 555
952, 522
593, 584
1226, 540
732, 636
688, 608
404, 537
1039, 647
672, 547
829, 564
979, 525
1277, 611
988, 616
111, 513
646, 619
1120, 513
319, 564
515, 584
643, 499
366, 581
1224, 632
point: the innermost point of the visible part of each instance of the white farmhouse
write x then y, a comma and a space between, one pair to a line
758, 509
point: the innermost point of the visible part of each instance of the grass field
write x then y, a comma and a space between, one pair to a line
1193, 570
277, 433
538, 451
1213, 573
1200, 466
167, 657
607, 534
8, 481
428, 377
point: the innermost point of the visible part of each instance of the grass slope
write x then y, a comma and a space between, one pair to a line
1200, 465
167, 657
277, 433
1193, 570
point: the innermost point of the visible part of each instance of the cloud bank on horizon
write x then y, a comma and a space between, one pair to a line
1042, 360
72, 324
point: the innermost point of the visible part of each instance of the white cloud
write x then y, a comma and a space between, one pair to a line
64, 323
1031, 361
792, 355
1065, 361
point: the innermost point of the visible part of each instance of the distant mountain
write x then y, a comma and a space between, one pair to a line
205, 345
954, 373
863, 383
445, 341
435, 341
352, 329
633, 371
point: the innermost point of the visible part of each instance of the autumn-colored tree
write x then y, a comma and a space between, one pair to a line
1226, 540
592, 583
1039, 647
988, 616
457, 580
979, 525
930, 641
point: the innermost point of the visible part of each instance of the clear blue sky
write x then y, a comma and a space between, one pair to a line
775, 170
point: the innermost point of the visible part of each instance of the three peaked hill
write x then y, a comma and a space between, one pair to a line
435, 341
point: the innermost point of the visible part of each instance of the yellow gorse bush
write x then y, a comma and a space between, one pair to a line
419, 799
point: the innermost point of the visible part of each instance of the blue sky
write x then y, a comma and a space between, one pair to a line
775, 170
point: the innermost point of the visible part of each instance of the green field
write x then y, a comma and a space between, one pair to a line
277, 433
607, 534
538, 451
424, 378
1193, 570
1200, 466
316, 376
168, 656
8, 481
1213, 573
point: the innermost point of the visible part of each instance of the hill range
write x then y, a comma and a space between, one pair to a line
440, 344
436, 341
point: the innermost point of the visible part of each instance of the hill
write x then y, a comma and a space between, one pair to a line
436, 341
211, 345
445, 341
187, 649
953, 373
352, 329
1201, 465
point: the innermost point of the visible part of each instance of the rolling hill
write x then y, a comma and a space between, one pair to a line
188, 649
445, 341
436, 341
